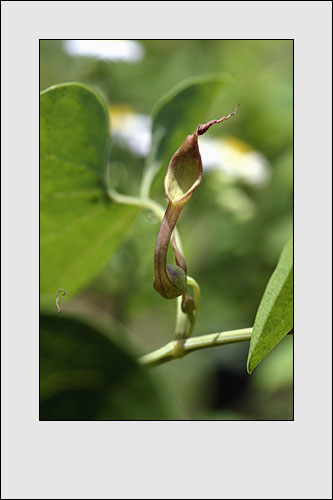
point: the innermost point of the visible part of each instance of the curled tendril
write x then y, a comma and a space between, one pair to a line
61, 290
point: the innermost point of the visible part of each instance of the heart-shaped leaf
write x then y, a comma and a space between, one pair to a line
274, 317
79, 226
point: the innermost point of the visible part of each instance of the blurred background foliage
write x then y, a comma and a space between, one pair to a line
233, 229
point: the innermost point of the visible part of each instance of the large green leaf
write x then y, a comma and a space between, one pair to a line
274, 317
177, 115
79, 227
84, 375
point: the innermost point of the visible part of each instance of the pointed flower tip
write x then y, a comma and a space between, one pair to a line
184, 172
202, 129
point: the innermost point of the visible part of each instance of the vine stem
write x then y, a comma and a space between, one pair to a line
170, 351
146, 203
183, 329
152, 165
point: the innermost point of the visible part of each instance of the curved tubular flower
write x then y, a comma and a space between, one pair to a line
184, 174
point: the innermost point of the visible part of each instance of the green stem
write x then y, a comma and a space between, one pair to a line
147, 180
184, 322
124, 199
181, 326
146, 203
196, 290
171, 351
152, 165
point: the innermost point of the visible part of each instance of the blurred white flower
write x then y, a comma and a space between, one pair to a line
133, 130
235, 159
113, 50
230, 156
